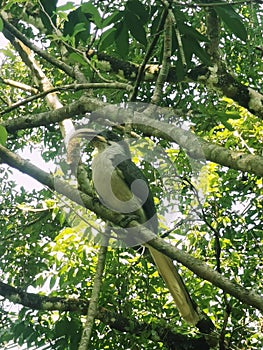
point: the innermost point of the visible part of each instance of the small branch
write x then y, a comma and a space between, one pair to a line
17, 84
204, 218
164, 71
94, 299
227, 313
148, 55
213, 34
177, 32
75, 87
213, 78
84, 55
194, 5
78, 108
41, 81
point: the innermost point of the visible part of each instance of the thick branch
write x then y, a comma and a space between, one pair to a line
211, 77
163, 73
213, 34
78, 108
196, 147
198, 267
140, 71
219, 79
213, 4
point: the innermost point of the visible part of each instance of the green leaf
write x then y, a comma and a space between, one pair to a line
18, 330
135, 27
61, 327
107, 39
225, 116
93, 11
138, 9
228, 115
180, 70
52, 282
122, 39
76, 19
3, 135
79, 27
66, 7
193, 45
114, 18
227, 125
76, 58
190, 31
232, 20
233, 115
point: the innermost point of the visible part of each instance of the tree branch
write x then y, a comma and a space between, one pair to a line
219, 79
160, 332
213, 4
78, 108
94, 299
195, 146
163, 73
211, 77
75, 87
141, 69
19, 85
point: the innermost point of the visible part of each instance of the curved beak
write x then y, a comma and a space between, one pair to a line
89, 134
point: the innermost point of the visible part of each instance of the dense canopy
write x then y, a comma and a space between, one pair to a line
181, 82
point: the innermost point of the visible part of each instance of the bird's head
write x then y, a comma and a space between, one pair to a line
101, 139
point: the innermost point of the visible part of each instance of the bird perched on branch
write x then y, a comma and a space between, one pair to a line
123, 188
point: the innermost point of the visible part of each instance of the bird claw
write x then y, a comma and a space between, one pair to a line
125, 222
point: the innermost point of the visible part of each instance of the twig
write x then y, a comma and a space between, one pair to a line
75, 87
19, 85
216, 233
194, 5
177, 32
148, 55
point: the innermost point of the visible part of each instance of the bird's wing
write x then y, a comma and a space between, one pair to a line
138, 184
164, 264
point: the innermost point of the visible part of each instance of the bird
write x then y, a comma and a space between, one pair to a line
123, 188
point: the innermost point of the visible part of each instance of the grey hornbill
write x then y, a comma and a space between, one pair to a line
122, 187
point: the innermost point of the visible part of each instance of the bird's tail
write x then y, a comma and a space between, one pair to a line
176, 287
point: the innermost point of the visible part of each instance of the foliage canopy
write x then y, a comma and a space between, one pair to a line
154, 69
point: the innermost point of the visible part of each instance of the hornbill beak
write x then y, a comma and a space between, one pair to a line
89, 134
